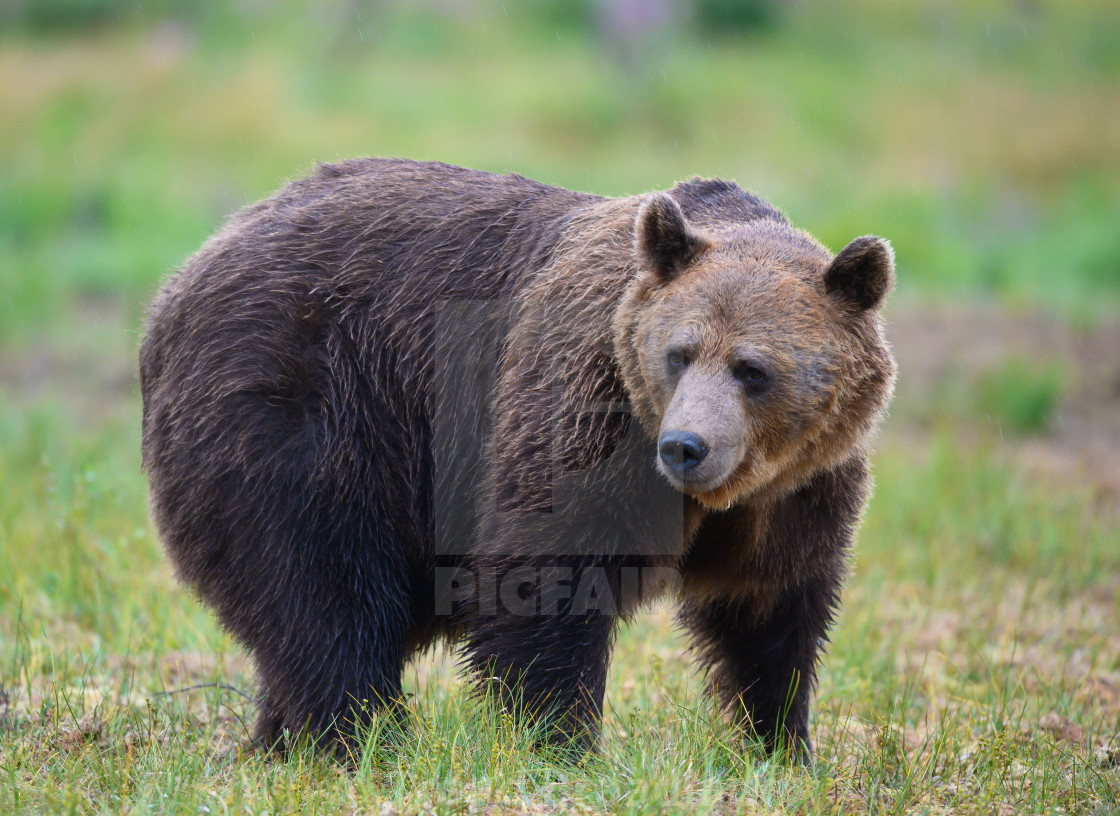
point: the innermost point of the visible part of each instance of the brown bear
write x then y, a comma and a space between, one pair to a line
393, 404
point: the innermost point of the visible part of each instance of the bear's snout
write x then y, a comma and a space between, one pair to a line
681, 451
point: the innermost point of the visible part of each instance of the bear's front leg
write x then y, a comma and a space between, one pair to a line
763, 668
762, 583
540, 638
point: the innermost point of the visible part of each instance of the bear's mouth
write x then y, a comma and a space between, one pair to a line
717, 492
706, 487
693, 486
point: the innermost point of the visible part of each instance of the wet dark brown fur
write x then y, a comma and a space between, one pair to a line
393, 403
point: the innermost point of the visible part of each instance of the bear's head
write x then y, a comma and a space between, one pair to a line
752, 356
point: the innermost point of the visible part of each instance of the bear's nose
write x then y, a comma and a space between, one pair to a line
681, 451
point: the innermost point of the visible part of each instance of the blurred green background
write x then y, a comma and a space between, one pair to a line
982, 138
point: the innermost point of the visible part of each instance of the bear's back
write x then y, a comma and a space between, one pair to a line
298, 345
368, 248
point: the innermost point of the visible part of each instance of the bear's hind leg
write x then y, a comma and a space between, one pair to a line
268, 732
323, 602
327, 678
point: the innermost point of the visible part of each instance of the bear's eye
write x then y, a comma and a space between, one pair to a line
751, 375
677, 359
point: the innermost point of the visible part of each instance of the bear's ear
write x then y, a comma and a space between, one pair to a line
863, 272
666, 243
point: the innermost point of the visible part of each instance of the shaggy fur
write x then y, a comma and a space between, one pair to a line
394, 403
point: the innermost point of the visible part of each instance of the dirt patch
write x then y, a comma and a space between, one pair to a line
85, 367
947, 349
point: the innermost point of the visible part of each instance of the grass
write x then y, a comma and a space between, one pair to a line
976, 665
1020, 395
